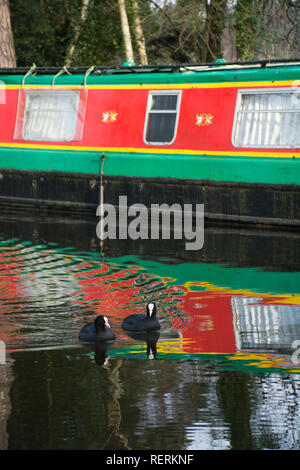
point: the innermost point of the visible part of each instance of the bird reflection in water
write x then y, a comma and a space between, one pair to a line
150, 338
101, 356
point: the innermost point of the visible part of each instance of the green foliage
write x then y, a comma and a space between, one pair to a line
43, 30
246, 16
176, 31
100, 40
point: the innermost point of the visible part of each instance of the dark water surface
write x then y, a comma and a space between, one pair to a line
226, 372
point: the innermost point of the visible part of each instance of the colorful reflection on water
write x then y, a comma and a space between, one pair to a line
238, 317
222, 373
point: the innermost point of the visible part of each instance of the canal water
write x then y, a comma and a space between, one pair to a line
224, 372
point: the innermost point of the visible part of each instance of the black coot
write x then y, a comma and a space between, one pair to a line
142, 322
99, 330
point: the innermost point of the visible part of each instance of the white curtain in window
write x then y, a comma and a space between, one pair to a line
269, 120
51, 115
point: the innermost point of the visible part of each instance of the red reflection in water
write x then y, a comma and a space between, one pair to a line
109, 293
210, 322
9, 290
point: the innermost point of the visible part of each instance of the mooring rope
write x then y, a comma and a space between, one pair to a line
101, 200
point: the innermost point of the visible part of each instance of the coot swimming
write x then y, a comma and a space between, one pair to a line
142, 322
98, 330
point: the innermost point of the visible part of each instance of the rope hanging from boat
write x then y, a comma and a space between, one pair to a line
87, 74
30, 72
63, 70
101, 203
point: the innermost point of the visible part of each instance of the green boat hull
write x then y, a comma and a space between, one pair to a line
233, 189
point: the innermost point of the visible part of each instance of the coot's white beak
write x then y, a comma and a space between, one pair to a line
151, 308
106, 322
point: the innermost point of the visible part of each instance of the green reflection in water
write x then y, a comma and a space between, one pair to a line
246, 279
255, 363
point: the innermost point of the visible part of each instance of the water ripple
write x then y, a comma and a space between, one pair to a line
47, 293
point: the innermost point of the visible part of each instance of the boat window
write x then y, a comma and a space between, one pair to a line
267, 119
161, 117
50, 115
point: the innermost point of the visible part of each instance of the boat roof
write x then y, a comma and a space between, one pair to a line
165, 73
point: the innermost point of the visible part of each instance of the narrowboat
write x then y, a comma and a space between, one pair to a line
226, 135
